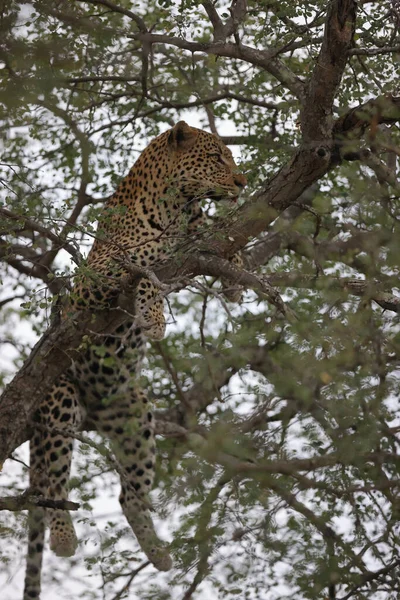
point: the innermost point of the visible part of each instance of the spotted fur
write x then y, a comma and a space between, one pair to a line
142, 222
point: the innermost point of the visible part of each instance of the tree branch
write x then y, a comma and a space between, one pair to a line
316, 116
309, 163
119, 9
261, 58
29, 500
357, 287
218, 26
25, 223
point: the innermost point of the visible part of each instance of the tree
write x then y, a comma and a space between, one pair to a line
277, 418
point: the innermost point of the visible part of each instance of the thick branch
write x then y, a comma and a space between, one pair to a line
385, 109
309, 163
316, 116
29, 500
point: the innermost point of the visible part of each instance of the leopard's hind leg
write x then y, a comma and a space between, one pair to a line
128, 422
59, 412
50, 459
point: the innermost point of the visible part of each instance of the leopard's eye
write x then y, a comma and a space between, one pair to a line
221, 159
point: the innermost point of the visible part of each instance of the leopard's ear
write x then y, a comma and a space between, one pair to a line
182, 136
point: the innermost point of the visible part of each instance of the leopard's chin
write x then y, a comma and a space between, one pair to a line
229, 197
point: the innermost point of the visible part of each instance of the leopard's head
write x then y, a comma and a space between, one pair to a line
202, 166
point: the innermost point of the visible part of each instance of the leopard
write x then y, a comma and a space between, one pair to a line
155, 205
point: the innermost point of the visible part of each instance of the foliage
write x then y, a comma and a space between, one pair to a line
278, 475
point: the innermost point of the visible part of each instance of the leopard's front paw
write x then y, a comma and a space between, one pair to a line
235, 294
149, 309
153, 325
232, 290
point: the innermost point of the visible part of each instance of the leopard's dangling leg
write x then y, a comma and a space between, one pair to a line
60, 411
50, 460
149, 308
38, 482
128, 422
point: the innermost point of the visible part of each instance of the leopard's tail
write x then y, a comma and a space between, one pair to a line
34, 559
36, 524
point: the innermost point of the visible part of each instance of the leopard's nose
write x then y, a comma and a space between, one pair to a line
240, 180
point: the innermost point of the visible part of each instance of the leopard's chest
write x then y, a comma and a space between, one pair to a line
152, 237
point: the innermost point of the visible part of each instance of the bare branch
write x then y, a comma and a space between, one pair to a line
238, 10
29, 500
374, 51
119, 9
261, 58
27, 223
357, 287
371, 576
